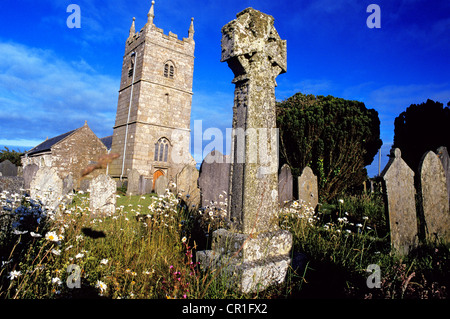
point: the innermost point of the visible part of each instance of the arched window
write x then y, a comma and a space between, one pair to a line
169, 70
162, 150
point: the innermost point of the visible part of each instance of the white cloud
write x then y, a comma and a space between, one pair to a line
42, 95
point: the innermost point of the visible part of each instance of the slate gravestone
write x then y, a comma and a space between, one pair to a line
102, 195
161, 185
308, 193
8, 169
442, 153
133, 178
47, 187
254, 253
214, 178
29, 172
434, 197
285, 185
398, 181
187, 185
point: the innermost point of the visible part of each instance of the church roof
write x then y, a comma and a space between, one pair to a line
47, 144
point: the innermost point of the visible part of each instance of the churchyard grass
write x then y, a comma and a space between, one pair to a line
146, 249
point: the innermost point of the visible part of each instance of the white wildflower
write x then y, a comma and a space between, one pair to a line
14, 274
35, 235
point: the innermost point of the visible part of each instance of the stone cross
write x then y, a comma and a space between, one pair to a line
434, 197
254, 253
399, 188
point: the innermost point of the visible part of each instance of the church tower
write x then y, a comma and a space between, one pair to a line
152, 128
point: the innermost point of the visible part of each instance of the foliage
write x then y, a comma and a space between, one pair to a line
337, 138
421, 128
11, 155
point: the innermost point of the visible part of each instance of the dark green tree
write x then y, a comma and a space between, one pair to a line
337, 138
421, 128
11, 155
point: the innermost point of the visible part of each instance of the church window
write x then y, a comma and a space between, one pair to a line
169, 70
162, 150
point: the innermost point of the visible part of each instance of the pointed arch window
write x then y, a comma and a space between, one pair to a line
169, 70
162, 150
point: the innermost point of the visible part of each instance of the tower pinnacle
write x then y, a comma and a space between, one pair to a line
151, 14
133, 28
191, 29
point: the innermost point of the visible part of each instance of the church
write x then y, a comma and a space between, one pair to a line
151, 134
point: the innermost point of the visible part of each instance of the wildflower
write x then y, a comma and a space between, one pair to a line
17, 232
52, 236
133, 273
184, 239
35, 235
295, 203
104, 261
80, 255
365, 218
101, 285
56, 281
359, 225
14, 274
341, 201
56, 252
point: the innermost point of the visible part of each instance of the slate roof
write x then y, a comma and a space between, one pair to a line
46, 145
107, 141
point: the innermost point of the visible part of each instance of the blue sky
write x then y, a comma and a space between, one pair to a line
53, 78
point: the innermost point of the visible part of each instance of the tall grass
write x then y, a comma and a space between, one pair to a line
146, 249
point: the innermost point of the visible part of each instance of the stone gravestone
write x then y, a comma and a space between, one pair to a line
29, 172
442, 153
308, 193
8, 169
398, 181
47, 187
285, 185
161, 185
254, 253
434, 197
214, 178
103, 195
187, 185
133, 178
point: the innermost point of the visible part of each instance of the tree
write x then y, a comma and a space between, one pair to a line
11, 155
337, 138
421, 128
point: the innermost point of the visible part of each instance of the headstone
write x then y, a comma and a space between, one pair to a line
29, 172
8, 169
434, 197
308, 193
187, 185
161, 185
103, 195
442, 153
285, 185
145, 185
254, 253
398, 181
133, 182
214, 178
47, 187
68, 184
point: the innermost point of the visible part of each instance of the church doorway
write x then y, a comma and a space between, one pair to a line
157, 175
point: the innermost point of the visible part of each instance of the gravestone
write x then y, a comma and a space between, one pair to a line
187, 185
442, 153
254, 253
285, 185
102, 195
161, 185
434, 197
8, 169
398, 181
47, 187
133, 178
308, 193
29, 172
214, 178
